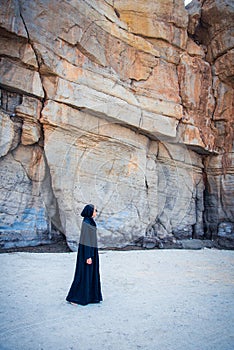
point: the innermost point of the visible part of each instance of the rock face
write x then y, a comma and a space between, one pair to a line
124, 104
213, 29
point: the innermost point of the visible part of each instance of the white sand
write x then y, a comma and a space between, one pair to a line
156, 300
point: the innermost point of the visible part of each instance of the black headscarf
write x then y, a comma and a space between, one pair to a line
87, 214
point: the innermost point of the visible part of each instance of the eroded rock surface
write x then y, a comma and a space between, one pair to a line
125, 104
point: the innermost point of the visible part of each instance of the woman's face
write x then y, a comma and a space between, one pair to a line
94, 213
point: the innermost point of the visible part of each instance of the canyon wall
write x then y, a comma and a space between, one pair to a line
124, 104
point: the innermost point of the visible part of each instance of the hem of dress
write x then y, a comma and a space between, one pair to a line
84, 304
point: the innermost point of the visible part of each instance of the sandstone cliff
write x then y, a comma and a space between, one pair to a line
125, 104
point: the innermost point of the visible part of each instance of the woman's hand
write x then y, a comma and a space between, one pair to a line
89, 261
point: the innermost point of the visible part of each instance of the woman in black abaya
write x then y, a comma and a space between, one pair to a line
86, 286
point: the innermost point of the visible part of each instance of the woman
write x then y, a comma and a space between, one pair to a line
86, 286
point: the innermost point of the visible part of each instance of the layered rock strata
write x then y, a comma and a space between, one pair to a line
128, 105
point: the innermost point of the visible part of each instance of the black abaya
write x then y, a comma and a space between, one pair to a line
86, 286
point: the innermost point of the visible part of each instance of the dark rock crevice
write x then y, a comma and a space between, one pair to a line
39, 64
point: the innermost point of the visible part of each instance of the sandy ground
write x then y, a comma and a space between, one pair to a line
153, 300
